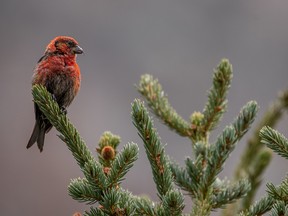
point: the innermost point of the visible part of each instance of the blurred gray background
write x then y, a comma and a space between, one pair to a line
179, 42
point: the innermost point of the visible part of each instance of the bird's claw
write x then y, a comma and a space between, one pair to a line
54, 97
63, 110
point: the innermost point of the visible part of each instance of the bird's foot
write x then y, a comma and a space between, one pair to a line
63, 110
53, 97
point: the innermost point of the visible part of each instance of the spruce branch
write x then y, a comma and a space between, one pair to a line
173, 203
145, 206
279, 208
274, 140
156, 154
80, 190
96, 187
198, 177
229, 193
69, 134
280, 192
202, 207
217, 155
182, 179
261, 161
127, 202
110, 202
256, 157
245, 119
122, 163
154, 150
270, 118
116, 201
277, 201
158, 102
194, 170
95, 212
95, 175
219, 152
259, 208
217, 103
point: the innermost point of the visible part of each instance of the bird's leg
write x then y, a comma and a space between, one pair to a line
62, 108
53, 97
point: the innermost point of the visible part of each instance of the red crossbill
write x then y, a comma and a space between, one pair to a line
59, 72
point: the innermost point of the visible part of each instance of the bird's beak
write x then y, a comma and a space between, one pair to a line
77, 49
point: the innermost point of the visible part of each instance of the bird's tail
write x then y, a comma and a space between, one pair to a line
38, 135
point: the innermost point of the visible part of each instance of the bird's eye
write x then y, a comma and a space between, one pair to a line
70, 43
56, 43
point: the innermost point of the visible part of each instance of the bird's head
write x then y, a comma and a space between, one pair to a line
65, 45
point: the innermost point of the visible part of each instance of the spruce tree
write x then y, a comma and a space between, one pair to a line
199, 178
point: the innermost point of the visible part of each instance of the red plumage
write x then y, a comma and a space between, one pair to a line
59, 72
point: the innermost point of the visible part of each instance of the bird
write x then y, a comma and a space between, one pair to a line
59, 72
